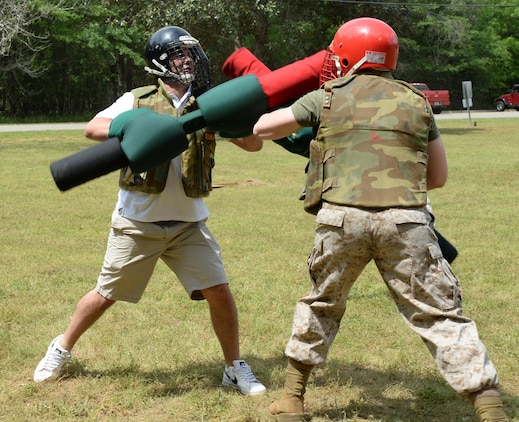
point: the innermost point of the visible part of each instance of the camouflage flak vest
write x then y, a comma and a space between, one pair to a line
370, 150
197, 160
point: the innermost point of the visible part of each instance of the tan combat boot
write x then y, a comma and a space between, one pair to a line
290, 407
490, 409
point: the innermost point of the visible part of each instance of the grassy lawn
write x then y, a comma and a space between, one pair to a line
160, 361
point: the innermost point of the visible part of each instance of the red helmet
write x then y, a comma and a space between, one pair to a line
362, 43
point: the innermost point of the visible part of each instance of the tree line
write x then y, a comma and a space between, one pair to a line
70, 58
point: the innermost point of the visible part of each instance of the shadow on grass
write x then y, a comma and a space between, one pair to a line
427, 398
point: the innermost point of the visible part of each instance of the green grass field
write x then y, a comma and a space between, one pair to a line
160, 361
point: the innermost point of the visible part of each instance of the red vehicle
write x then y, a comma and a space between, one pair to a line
438, 99
510, 100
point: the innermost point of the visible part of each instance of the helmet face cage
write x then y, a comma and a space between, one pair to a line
175, 54
331, 68
187, 53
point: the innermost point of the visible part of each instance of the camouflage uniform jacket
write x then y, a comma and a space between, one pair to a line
370, 150
197, 160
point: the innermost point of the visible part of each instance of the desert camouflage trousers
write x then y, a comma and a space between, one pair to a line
428, 295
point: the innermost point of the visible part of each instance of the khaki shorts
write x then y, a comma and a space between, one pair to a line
188, 249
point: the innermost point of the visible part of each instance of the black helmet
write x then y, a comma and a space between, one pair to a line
174, 42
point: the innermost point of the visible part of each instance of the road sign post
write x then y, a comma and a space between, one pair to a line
466, 87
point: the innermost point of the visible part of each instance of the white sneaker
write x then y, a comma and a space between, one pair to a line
240, 377
51, 364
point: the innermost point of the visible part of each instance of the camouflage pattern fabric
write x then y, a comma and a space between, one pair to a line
197, 160
197, 164
152, 181
427, 294
371, 146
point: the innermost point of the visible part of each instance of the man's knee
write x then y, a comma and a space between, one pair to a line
218, 293
102, 302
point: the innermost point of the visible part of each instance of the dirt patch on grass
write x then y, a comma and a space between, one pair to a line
245, 183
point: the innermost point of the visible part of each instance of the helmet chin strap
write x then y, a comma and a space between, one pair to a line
166, 73
356, 66
163, 70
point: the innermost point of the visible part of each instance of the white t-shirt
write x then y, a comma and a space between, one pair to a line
171, 204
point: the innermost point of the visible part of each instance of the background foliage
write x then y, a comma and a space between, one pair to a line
74, 57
